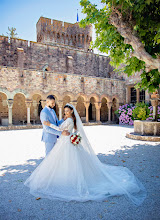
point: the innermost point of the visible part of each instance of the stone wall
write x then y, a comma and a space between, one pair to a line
52, 31
32, 82
61, 59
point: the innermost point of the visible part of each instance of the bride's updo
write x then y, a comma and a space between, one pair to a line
73, 116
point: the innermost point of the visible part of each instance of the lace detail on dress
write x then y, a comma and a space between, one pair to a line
66, 125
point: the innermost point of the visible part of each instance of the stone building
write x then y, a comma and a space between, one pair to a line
60, 63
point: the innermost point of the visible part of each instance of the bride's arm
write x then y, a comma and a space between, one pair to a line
60, 128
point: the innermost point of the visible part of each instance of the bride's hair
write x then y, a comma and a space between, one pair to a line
73, 116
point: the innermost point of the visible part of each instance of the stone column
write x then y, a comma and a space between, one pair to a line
128, 94
109, 104
86, 104
43, 103
147, 96
98, 107
154, 102
137, 95
28, 104
10, 105
35, 105
60, 104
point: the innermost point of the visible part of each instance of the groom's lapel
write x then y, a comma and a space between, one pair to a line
50, 114
55, 117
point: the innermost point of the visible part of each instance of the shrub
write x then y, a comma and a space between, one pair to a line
141, 111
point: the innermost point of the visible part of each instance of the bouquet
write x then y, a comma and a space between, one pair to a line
75, 139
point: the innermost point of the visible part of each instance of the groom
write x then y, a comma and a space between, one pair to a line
49, 135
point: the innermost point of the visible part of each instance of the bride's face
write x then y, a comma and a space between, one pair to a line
68, 112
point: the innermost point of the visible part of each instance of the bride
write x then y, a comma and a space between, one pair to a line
72, 172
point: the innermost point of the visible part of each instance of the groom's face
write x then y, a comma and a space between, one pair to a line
51, 103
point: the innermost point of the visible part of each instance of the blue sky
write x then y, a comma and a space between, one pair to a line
23, 15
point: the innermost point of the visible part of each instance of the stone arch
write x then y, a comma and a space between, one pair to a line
116, 97
6, 92
81, 108
38, 92
104, 110
23, 92
72, 97
66, 99
54, 93
19, 109
56, 107
92, 109
3, 109
82, 95
95, 96
36, 108
57, 98
113, 109
108, 98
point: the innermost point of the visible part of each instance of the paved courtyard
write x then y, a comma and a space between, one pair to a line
21, 151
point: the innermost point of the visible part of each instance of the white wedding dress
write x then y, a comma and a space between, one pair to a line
75, 173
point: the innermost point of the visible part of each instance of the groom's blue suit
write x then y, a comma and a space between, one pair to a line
49, 135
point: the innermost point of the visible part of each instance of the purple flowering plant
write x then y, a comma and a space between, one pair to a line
125, 114
141, 111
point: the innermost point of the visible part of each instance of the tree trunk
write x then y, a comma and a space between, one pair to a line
116, 19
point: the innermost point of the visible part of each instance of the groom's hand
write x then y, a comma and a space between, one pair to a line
65, 133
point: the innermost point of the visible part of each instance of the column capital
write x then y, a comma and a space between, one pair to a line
60, 103
86, 104
98, 105
74, 103
28, 103
109, 104
10, 103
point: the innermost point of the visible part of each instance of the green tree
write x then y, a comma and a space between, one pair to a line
12, 32
130, 31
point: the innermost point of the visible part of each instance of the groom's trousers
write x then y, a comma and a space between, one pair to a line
49, 147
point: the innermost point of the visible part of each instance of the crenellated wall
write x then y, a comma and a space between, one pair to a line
58, 32
61, 59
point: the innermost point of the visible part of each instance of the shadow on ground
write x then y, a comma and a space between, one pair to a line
143, 160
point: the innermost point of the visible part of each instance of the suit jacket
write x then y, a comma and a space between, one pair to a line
49, 134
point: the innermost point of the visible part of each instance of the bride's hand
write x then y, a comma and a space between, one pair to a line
47, 123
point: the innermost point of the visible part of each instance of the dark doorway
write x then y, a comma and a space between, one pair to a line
39, 108
90, 112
